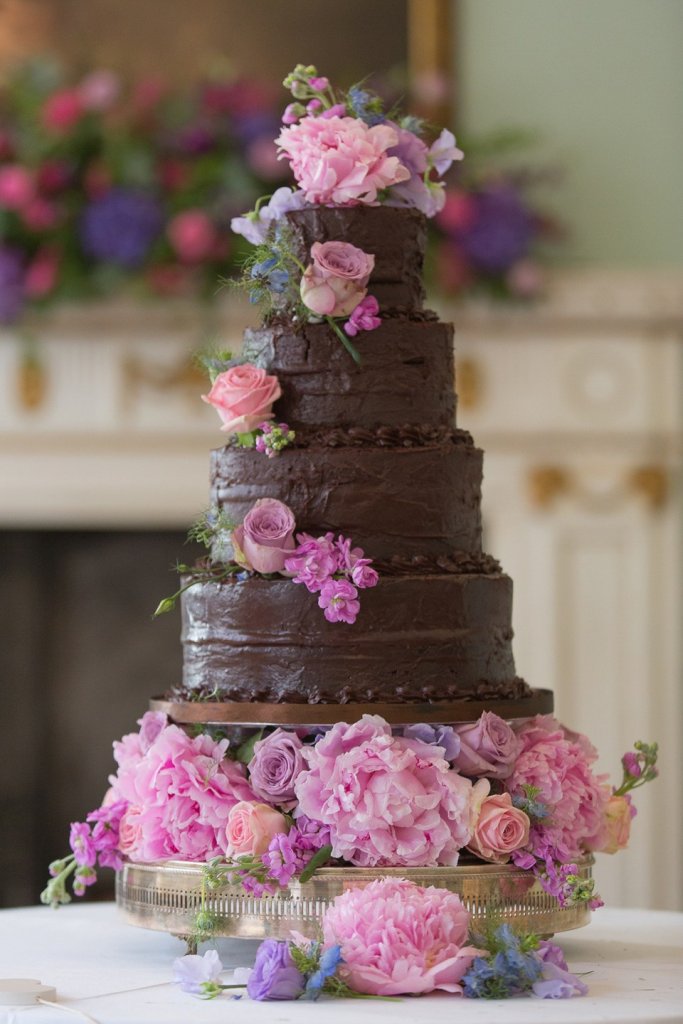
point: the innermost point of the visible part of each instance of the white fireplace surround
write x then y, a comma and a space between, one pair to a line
577, 403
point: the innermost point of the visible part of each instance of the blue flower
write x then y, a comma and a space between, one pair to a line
327, 967
365, 105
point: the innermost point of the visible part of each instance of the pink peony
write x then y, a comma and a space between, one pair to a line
131, 832
63, 110
500, 829
398, 938
619, 812
557, 763
16, 187
250, 828
183, 788
243, 396
192, 235
338, 599
266, 537
341, 160
388, 800
276, 763
488, 747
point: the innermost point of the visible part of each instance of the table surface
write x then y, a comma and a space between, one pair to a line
116, 974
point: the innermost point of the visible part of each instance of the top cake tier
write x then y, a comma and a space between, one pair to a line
396, 237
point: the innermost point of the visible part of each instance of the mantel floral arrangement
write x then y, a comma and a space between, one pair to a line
103, 187
286, 802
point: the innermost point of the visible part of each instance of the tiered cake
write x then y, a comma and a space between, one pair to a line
378, 458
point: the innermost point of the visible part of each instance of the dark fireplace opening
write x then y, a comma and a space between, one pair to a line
80, 655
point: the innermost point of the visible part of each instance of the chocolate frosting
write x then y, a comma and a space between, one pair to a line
395, 237
406, 374
416, 638
399, 501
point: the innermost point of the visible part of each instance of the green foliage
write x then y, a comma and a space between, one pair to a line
318, 860
210, 523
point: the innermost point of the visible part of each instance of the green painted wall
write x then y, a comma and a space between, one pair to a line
602, 81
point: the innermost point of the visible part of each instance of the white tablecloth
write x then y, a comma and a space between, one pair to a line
121, 975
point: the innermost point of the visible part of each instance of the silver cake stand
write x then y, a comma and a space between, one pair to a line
167, 896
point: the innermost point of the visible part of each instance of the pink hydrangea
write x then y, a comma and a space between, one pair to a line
388, 800
557, 763
180, 791
341, 160
398, 938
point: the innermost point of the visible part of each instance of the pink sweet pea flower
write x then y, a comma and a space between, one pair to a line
443, 152
364, 317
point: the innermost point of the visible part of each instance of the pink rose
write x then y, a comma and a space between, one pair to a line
618, 815
488, 747
275, 765
341, 160
250, 828
398, 938
266, 537
192, 235
243, 397
130, 832
500, 829
336, 281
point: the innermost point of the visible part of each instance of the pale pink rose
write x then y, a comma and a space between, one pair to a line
488, 747
192, 235
250, 828
16, 187
341, 160
336, 281
500, 829
398, 938
557, 763
265, 539
243, 396
130, 832
388, 800
619, 813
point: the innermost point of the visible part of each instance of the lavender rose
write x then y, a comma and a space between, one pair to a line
336, 281
488, 747
274, 975
266, 537
275, 766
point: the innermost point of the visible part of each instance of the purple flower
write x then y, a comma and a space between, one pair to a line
443, 152
631, 764
310, 834
110, 858
121, 227
193, 973
488, 747
338, 599
281, 859
363, 576
11, 284
254, 226
276, 763
440, 735
557, 983
314, 561
364, 317
83, 877
550, 953
500, 232
82, 846
274, 975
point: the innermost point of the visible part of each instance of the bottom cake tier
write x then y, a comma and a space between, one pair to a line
168, 896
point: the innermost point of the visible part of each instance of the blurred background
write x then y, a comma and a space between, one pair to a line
130, 134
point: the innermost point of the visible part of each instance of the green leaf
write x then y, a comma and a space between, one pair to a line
245, 751
317, 861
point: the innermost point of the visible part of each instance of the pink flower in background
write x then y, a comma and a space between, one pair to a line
54, 176
40, 214
619, 812
341, 160
557, 764
488, 747
336, 281
276, 763
525, 279
387, 800
17, 188
364, 317
99, 90
63, 110
266, 537
338, 599
243, 396
500, 829
42, 273
192, 235
250, 828
398, 938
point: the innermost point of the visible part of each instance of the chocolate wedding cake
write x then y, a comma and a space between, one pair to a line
377, 457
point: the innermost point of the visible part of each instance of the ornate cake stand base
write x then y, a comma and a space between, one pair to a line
168, 895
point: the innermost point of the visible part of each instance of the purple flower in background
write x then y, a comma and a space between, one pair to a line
196, 139
501, 230
121, 227
338, 601
11, 284
274, 975
82, 846
440, 735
